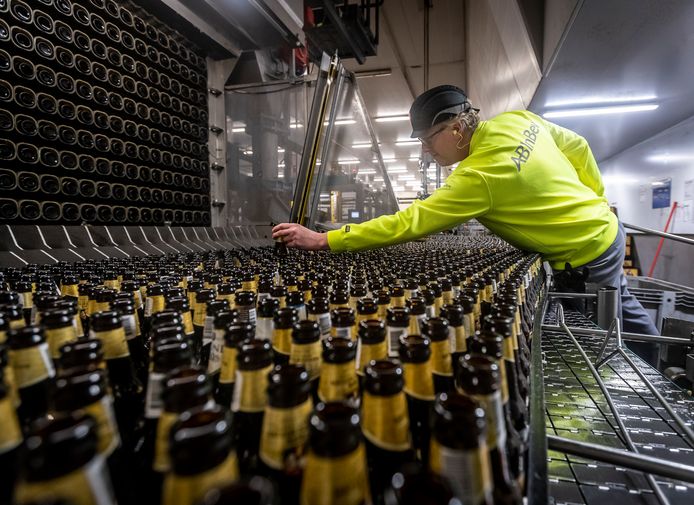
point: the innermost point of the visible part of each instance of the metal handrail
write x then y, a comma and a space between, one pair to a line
634, 337
650, 231
623, 432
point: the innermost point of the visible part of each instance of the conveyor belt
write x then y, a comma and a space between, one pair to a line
576, 409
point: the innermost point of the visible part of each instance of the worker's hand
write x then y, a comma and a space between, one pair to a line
300, 237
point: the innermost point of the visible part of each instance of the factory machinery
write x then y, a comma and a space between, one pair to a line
99, 167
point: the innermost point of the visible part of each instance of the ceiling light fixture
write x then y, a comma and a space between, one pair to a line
362, 145
597, 100
390, 119
339, 122
367, 171
240, 129
295, 125
406, 142
598, 111
347, 162
670, 158
378, 72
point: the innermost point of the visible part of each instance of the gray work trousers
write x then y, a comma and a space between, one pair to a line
608, 270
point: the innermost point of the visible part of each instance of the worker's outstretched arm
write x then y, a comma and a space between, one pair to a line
464, 196
577, 151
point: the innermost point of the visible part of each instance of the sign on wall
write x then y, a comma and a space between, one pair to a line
661, 193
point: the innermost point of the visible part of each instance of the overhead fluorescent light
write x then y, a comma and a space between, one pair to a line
396, 170
378, 179
248, 152
397, 189
239, 129
407, 142
670, 157
347, 162
414, 158
367, 171
598, 111
379, 72
280, 149
407, 177
390, 119
618, 179
295, 125
362, 145
597, 100
339, 122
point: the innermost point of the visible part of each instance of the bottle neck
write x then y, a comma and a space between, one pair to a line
385, 421
338, 480
338, 381
250, 391
284, 432
187, 489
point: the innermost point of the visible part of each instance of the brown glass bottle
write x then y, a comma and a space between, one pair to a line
284, 321
255, 490
127, 390
83, 353
133, 336
336, 470
33, 370
222, 319
61, 462
479, 377
367, 308
253, 364
373, 345
490, 344
208, 334
285, 429
202, 455
267, 307
202, 297
295, 300
343, 323
416, 486
459, 448
418, 315
398, 320
318, 309
306, 351
338, 376
437, 330
87, 390
234, 334
415, 355
385, 424
58, 329
10, 440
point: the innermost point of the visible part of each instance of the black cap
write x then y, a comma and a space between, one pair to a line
436, 105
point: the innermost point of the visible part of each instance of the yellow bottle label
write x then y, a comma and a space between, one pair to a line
227, 375
56, 337
338, 381
70, 290
248, 286
447, 298
27, 299
250, 390
106, 427
419, 382
385, 421
467, 470
336, 481
11, 383
31, 365
308, 355
113, 342
282, 340
10, 433
382, 311
229, 298
162, 463
17, 324
469, 324
457, 339
397, 301
87, 486
504, 381
113, 284
366, 353
82, 302
3, 336
441, 358
200, 314
284, 437
188, 489
188, 323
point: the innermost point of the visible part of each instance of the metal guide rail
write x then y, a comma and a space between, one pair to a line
590, 458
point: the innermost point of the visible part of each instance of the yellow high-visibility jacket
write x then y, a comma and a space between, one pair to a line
532, 183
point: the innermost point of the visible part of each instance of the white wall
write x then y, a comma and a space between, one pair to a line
629, 178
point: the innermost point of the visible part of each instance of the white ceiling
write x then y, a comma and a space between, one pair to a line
401, 49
